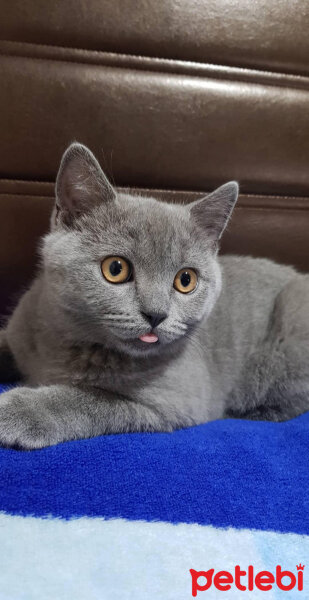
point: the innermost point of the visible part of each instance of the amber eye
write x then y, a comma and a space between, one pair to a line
185, 281
116, 269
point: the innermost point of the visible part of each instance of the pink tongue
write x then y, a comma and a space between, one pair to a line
150, 338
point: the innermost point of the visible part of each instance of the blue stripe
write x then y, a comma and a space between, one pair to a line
225, 473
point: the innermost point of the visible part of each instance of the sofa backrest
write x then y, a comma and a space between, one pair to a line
173, 97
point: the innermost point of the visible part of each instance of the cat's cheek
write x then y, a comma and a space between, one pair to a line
192, 308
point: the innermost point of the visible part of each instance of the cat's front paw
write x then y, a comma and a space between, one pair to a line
25, 424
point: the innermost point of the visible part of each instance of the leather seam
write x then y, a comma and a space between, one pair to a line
233, 69
250, 207
26, 181
150, 190
248, 195
25, 195
274, 208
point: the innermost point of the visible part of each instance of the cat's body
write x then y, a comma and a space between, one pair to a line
237, 345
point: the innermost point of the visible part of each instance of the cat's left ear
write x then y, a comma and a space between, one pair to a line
80, 185
213, 212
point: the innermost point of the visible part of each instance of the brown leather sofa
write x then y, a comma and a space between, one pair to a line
174, 97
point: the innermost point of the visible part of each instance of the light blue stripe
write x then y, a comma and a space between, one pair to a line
93, 559
287, 551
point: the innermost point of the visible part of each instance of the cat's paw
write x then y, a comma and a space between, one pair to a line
25, 424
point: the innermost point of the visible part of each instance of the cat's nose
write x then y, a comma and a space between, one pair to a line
155, 318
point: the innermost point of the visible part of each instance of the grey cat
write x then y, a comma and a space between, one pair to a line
134, 324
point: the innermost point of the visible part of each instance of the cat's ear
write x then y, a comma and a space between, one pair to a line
80, 185
213, 212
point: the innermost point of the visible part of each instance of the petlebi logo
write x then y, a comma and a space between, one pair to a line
248, 581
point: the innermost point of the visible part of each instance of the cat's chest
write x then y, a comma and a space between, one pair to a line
108, 370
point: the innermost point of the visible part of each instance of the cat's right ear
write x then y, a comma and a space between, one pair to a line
213, 211
80, 185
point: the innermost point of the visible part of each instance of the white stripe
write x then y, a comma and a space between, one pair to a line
93, 559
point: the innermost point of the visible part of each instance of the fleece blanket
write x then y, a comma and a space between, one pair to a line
217, 510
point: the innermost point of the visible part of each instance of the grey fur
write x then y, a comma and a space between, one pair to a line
236, 346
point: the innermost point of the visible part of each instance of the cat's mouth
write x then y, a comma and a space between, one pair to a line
149, 338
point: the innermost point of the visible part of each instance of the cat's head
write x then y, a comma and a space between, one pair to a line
130, 272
